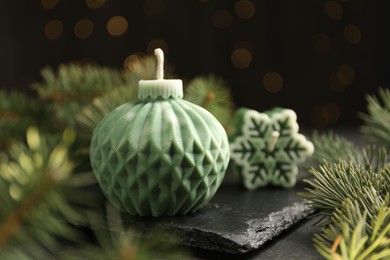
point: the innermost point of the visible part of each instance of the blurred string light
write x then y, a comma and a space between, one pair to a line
157, 43
245, 9
333, 10
241, 58
346, 74
222, 19
94, 4
352, 34
54, 29
153, 7
117, 26
134, 63
322, 115
83, 28
273, 82
49, 4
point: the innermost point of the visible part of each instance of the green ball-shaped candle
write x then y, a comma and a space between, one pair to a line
160, 155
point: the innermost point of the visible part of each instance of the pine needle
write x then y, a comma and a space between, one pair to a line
212, 94
32, 206
351, 185
376, 125
67, 90
17, 112
353, 235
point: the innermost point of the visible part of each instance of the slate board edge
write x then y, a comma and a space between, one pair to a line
259, 231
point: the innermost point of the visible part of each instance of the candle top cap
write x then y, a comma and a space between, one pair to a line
164, 88
160, 87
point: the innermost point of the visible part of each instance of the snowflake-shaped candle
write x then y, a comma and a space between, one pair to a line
267, 148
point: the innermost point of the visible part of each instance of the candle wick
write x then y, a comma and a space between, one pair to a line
272, 141
160, 63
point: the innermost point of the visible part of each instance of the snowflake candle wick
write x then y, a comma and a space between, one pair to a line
272, 141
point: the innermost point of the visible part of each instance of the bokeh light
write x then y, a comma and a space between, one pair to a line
322, 115
245, 9
273, 82
222, 19
117, 26
83, 28
94, 4
54, 29
331, 112
352, 34
157, 43
333, 10
346, 74
49, 4
241, 58
133, 63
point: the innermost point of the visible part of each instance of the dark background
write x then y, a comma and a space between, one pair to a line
319, 58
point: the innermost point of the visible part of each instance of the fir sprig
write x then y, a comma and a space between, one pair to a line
73, 86
34, 212
350, 189
115, 240
353, 235
376, 125
73, 79
332, 147
334, 183
211, 93
17, 113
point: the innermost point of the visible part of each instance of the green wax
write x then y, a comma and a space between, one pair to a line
266, 148
161, 155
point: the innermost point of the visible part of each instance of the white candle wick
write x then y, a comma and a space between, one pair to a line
160, 63
272, 141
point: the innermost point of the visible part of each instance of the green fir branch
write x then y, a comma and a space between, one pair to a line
334, 183
74, 79
116, 240
17, 112
332, 148
376, 125
34, 213
354, 234
212, 93
350, 188
73, 86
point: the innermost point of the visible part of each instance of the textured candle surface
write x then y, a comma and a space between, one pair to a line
160, 155
266, 147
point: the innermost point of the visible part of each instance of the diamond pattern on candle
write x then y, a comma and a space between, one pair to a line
159, 168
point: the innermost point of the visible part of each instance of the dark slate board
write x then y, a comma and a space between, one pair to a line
235, 221
294, 243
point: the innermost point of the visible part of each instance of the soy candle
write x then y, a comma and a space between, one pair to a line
160, 155
267, 148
